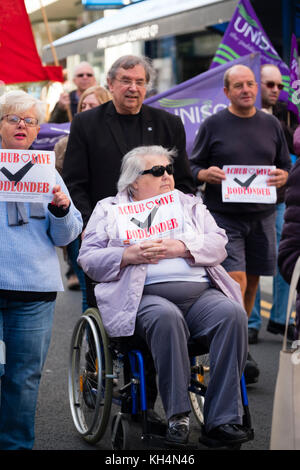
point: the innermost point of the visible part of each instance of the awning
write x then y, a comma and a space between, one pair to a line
143, 21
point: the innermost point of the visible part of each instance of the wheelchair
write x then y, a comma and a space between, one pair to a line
105, 371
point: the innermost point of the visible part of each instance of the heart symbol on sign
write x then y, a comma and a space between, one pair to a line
25, 157
149, 204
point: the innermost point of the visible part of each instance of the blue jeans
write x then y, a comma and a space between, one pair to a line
280, 287
25, 328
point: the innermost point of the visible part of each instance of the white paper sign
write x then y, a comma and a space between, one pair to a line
26, 175
2, 352
152, 218
248, 184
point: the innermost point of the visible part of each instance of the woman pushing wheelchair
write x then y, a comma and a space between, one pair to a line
155, 254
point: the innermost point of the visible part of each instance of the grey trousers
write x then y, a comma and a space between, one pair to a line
207, 315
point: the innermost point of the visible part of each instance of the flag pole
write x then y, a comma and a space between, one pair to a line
50, 39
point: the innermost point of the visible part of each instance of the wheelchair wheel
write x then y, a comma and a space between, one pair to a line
200, 374
90, 377
120, 432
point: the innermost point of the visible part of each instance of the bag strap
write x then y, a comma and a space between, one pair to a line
292, 292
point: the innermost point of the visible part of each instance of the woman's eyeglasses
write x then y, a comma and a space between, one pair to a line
15, 120
159, 170
271, 84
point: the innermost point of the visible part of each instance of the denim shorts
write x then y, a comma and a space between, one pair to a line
251, 246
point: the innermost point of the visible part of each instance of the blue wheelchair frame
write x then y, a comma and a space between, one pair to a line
139, 398
91, 389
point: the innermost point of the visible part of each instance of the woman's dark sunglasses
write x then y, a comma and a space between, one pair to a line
159, 170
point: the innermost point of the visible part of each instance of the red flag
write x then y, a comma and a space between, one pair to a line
19, 59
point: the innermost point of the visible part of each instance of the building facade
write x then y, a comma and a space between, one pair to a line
180, 36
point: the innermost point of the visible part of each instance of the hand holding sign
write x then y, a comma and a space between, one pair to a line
60, 199
174, 248
143, 253
213, 175
278, 179
151, 252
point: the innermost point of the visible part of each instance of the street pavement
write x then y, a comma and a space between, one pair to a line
54, 426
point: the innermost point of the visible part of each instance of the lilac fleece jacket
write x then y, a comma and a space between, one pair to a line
119, 291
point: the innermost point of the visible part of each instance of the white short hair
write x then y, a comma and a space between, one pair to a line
80, 66
17, 101
134, 162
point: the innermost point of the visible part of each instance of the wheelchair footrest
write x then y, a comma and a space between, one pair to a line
155, 441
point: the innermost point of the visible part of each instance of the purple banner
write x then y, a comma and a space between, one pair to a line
293, 104
49, 134
245, 34
196, 99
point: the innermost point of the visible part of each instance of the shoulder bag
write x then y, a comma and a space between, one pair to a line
285, 431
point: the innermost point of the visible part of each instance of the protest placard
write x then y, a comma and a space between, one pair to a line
26, 175
245, 183
152, 218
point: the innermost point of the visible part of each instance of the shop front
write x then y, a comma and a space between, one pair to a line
180, 37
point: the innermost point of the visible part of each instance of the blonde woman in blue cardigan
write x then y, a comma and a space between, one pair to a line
29, 277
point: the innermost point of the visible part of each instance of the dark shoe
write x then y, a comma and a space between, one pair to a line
228, 434
279, 328
73, 283
252, 335
178, 430
251, 371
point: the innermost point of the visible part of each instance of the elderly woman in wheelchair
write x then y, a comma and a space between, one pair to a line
155, 254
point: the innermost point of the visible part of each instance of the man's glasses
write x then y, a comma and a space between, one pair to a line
126, 82
80, 75
159, 170
15, 120
271, 84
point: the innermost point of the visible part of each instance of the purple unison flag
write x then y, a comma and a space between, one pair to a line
201, 96
49, 134
294, 103
245, 34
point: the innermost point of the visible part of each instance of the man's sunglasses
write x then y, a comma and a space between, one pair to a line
80, 75
273, 84
159, 170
